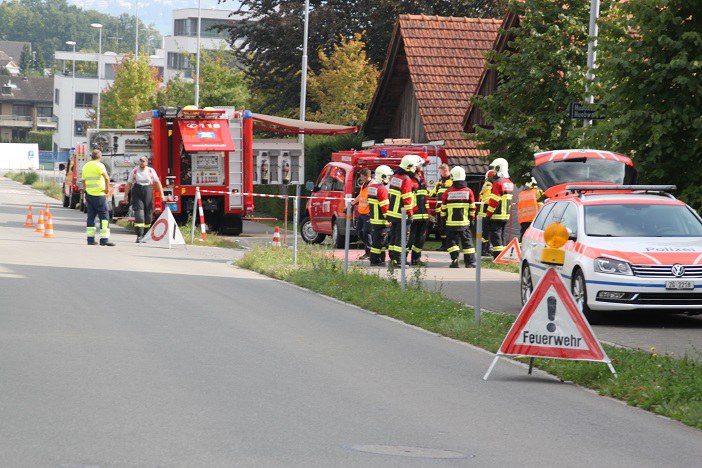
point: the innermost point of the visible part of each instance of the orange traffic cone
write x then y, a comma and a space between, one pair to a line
29, 222
49, 231
276, 237
40, 223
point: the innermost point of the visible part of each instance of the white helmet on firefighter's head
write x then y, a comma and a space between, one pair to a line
383, 173
420, 161
409, 162
499, 165
458, 173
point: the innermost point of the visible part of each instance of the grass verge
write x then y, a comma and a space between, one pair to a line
662, 384
211, 240
51, 189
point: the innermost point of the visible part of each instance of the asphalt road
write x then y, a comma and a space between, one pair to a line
139, 357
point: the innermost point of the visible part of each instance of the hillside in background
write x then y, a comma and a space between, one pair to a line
48, 24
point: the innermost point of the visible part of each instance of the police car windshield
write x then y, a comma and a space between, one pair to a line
641, 220
583, 170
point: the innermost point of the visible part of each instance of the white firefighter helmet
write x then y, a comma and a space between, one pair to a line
409, 162
458, 173
383, 173
499, 165
189, 107
420, 161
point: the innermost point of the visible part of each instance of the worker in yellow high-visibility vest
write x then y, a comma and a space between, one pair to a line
96, 184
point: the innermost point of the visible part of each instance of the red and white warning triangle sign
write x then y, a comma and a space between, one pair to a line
550, 325
164, 232
511, 254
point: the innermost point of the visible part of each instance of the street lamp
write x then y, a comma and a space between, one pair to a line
136, 32
99, 66
73, 93
197, 60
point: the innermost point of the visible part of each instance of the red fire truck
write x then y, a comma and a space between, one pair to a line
325, 212
194, 148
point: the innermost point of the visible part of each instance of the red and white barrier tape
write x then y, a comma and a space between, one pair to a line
267, 195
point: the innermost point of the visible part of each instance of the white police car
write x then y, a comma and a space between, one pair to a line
630, 247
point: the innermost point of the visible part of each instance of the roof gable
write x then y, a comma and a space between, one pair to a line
444, 59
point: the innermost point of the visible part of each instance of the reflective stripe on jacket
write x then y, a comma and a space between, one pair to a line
92, 175
458, 207
378, 203
400, 194
500, 199
439, 188
484, 198
420, 200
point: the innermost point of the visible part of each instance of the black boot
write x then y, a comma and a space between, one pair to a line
469, 260
454, 263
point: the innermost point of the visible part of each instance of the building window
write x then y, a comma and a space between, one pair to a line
24, 110
44, 112
207, 28
180, 27
85, 100
80, 127
178, 61
56, 96
6, 89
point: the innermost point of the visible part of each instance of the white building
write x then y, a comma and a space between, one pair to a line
71, 108
177, 56
181, 47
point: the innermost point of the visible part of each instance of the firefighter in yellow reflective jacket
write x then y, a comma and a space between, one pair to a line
437, 192
400, 196
484, 198
498, 210
97, 184
458, 209
420, 219
378, 203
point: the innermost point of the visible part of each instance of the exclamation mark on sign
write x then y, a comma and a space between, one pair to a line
551, 302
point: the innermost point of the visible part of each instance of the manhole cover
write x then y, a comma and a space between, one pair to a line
405, 451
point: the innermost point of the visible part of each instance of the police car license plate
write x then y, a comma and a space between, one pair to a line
679, 285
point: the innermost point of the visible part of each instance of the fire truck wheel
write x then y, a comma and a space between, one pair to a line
73, 202
338, 240
308, 234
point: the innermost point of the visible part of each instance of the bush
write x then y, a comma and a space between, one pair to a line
30, 178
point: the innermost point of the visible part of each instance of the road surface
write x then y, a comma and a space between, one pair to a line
135, 356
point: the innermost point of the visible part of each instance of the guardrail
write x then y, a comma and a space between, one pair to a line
17, 118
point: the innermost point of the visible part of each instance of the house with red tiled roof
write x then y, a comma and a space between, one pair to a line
488, 80
431, 71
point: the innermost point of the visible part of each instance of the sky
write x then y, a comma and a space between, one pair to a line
157, 12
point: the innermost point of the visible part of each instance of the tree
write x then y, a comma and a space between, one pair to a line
343, 89
131, 92
269, 39
39, 63
220, 83
48, 24
25, 60
651, 81
541, 71
177, 92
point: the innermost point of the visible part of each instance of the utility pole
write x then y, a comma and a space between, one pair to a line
591, 53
